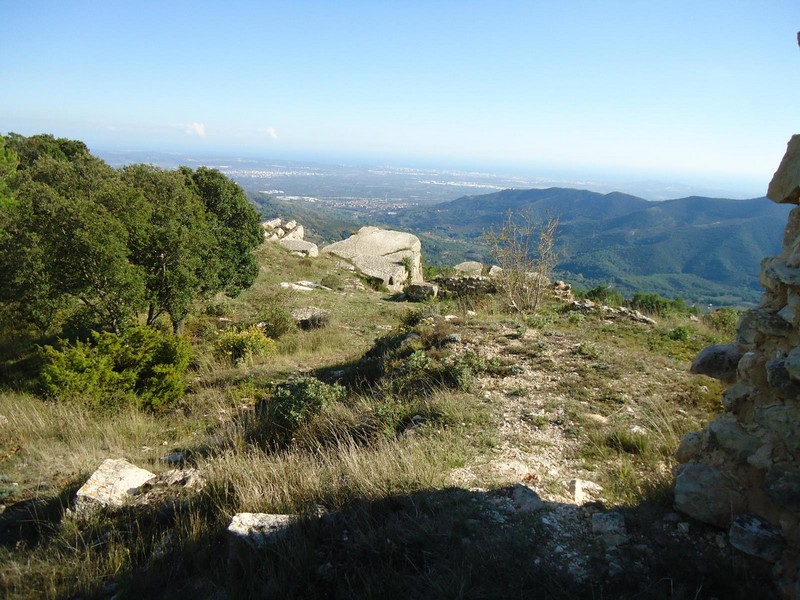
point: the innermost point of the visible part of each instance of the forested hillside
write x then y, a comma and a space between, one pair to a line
705, 249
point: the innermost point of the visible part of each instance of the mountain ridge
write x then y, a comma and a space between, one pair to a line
705, 249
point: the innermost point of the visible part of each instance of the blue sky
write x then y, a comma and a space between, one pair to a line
700, 90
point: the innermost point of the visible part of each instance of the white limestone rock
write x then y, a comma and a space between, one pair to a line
296, 245
113, 483
393, 257
298, 233
470, 268
257, 530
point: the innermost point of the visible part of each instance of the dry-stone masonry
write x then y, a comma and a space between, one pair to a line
742, 472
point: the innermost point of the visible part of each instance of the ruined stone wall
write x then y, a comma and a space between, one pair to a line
742, 472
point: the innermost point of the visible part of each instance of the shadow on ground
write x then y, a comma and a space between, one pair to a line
450, 543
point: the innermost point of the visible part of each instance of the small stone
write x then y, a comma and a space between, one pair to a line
726, 433
470, 267
756, 537
311, 317
690, 446
175, 458
792, 364
735, 396
595, 419
452, 338
302, 247
583, 491
761, 458
609, 528
257, 530
525, 499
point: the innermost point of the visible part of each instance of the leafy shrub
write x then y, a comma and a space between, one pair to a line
217, 308
298, 400
605, 295
333, 281
586, 350
680, 334
723, 320
276, 322
241, 346
657, 305
539, 321
575, 317
415, 316
141, 366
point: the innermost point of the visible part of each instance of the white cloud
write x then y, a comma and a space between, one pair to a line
195, 129
270, 131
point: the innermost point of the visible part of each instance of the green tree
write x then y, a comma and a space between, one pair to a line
176, 246
31, 149
61, 245
235, 224
77, 235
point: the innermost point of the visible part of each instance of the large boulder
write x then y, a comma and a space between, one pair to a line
719, 362
785, 185
392, 257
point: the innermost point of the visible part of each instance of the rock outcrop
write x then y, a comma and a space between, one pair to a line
394, 258
742, 472
300, 247
276, 230
290, 235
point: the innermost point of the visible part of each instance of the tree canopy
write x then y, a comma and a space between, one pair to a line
81, 242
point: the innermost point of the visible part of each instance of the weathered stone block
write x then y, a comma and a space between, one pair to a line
757, 537
719, 362
418, 292
704, 493
470, 268
782, 484
113, 483
726, 433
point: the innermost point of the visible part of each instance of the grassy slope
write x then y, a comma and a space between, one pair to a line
413, 481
